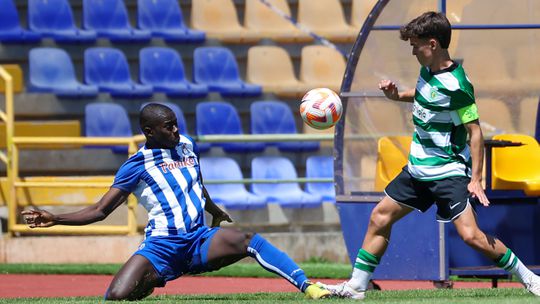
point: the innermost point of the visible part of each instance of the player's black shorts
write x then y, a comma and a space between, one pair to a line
450, 194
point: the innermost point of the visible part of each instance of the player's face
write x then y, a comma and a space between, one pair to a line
423, 50
166, 132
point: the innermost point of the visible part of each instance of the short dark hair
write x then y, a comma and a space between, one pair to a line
428, 25
151, 114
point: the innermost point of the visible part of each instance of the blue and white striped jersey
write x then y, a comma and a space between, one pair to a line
167, 182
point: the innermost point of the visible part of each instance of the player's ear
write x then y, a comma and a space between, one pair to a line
147, 131
433, 44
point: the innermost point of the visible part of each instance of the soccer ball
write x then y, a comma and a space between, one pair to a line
321, 108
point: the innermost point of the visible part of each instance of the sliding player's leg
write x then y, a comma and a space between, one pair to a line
136, 280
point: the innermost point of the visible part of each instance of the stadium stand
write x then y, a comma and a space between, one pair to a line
107, 120
51, 71
54, 19
495, 116
527, 64
231, 196
326, 19
392, 153
217, 68
276, 117
287, 195
264, 22
528, 118
219, 20
219, 117
321, 167
10, 27
517, 168
16, 73
163, 69
164, 19
272, 67
43, 128
322, 66
109, 18
360, 9
108, 69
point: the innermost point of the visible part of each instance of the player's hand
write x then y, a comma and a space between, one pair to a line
476, 190
389, 89
38, 218
218, 218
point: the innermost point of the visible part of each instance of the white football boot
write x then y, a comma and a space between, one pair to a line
533, 285
343, 290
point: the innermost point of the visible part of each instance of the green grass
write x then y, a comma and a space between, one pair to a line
460, 296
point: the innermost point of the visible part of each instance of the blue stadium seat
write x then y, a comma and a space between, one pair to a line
10, 27
232, 196
107, 120
109, 18
164, 19
321, 167
218, 117
216, 67
276, 117
287, 195
51, 71
109, 70
162, 68
54, 19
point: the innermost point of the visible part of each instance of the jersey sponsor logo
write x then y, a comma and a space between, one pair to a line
422, 113
185, 162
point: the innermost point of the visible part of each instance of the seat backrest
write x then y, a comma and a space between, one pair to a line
45, 15
160, 65
322, 65
271, 117
106, 119
51, 67
528, 116
159, 14
273, 167
105, 14
217, 117
320, 167
221, 168
321, 14
269, 64
514, 162
495, 116
105, 65
214, 65
9, 16
208, 15
180, 118
259, 16
360, 10
392, 155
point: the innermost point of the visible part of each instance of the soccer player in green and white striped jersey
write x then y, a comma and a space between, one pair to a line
442, 168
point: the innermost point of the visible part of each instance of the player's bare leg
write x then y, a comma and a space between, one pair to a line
136, 280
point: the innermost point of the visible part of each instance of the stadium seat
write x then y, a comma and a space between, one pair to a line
322, 66
287, 195
162, 68
265, 23
326, 19
495, 116
109, 70
321, 167
219, 117
107, 120
216, 67
231, 196
219, 20
528, 118
164, 19
276, 117
517, 168
360, 9
392, 155
272, 67
109, 18
54, 19
10, 27
51, 71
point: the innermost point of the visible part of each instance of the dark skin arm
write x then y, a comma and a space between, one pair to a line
218, 215
91, 214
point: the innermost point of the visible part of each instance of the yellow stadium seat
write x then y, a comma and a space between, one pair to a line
495, 116
392, 155
265, 23
326, 19
16, 73
527, 115
218, 18
55, 128
322, 66
360, 10
271, 67
517, 168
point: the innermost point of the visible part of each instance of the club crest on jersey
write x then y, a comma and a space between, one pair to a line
185, 162
433, 92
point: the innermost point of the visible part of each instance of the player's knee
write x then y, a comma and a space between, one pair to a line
116, 294
239, 241
470, 236
378, 220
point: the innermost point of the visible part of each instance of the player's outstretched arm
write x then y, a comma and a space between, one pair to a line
97, 212
477, 155
218, 215
391, 91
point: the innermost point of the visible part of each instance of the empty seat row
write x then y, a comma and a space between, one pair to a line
275, 168
106, 19
212, 118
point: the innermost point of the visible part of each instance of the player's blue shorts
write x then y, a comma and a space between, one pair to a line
175, 255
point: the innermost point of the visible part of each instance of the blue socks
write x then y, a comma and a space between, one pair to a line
276, 261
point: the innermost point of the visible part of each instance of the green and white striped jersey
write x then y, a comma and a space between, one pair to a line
443, 101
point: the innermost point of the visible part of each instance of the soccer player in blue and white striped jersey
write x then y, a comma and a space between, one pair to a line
165, 176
